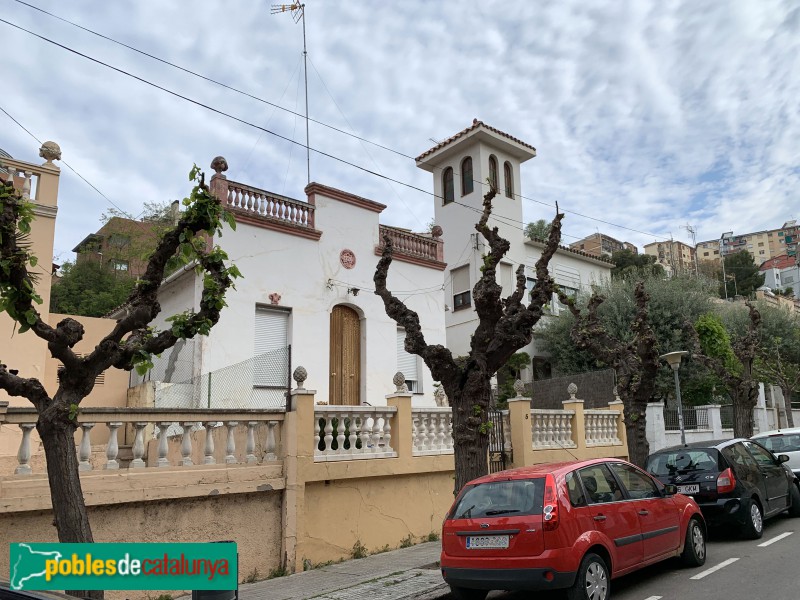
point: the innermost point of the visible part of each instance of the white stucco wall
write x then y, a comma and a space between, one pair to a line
311, 280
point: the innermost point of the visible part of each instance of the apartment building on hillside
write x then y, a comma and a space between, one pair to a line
600, 244
762, 245
676, 257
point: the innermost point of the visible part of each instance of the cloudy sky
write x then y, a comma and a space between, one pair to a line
647, 116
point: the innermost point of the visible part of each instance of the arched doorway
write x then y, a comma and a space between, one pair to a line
345, 356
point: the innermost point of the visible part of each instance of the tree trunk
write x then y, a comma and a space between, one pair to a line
471, 430
57, 433
636, 433
742, 414
787, 401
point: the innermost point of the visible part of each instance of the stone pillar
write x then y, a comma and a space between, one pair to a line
519, 417
760, 419
715, 421
578, 421
297, 444
655, 427
402, 434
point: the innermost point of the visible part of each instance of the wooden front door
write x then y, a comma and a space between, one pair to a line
345, 356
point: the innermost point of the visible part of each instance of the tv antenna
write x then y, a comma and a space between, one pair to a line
691, 230
298, 12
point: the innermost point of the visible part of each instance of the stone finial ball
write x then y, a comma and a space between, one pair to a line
519, 387
50, 151
399, 379
436, 231
219, 164
300, 375
572, 389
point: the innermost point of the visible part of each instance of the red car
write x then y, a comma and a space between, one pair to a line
572, 525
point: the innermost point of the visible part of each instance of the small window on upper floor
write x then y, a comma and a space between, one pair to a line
508, 173
493, 172
118, 265
448, 188
461, 288
466, 176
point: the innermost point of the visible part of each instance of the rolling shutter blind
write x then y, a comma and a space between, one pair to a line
406, 363
270, 347
460, 279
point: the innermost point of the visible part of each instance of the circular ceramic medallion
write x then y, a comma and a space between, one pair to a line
347, 258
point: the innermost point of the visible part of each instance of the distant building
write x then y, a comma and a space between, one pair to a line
600, 244
781, 273
762, 245
676, 257
123, 245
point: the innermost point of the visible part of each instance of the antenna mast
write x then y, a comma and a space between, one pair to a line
692, 232
298, 12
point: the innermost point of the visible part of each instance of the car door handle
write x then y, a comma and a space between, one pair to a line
600, 518
644, 513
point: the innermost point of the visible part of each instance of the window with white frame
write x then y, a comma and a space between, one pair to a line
461, 289
506, 275
408, 364
271, 348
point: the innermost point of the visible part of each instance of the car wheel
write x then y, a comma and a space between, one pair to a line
794, 495
460, 593
754, 527
694, 549
593, 581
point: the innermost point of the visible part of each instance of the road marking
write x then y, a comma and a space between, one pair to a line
721, 565
777, 538
654, 598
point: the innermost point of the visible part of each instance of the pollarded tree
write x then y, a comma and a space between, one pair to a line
778, 358
732, 361
505, 325
635, 362
130, 344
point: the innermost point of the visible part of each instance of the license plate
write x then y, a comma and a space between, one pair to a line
688, 489
478, 542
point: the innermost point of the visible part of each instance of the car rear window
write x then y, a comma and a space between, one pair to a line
779, 443
684, 460
498, 498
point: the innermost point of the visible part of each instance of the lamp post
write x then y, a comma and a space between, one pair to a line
722, 239
674, 360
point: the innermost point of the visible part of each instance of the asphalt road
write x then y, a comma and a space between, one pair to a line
736, 569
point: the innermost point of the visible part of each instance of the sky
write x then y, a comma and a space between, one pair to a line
646, 116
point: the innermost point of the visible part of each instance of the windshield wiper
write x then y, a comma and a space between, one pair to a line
491, 513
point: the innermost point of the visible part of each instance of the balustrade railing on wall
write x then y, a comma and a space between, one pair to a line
353, 432
601, 427
552, 428
412, 244
432, 431
196, 430
266, 204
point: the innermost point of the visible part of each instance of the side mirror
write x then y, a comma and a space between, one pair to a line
782, 458
670, 489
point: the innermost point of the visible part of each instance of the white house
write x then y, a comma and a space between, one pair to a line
782, 272
307, 269
462, 166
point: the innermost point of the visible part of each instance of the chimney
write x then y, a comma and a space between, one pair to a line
175, 211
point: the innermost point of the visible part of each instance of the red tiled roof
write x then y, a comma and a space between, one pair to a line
779, 262
475, 125
604, 259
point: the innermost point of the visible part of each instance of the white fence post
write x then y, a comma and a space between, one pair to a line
655, 427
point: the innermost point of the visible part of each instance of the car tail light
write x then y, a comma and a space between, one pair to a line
726, 482
550, 509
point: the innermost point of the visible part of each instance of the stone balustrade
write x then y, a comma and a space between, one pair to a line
261, 203
353, 432
432, 431
410, 245
601, 427
552, 429
249, 437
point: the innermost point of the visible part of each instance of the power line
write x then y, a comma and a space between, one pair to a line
218, 111
66, 164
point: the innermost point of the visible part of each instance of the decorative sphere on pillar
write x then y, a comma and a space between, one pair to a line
300, 375
50, 151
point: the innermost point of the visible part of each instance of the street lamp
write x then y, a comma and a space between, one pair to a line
674, 360
722, 239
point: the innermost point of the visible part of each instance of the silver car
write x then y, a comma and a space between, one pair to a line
783, 441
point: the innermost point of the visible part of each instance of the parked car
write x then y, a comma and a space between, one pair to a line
783, 441
573, 525
735, 482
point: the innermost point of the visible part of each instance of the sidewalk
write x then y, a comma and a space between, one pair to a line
404, 574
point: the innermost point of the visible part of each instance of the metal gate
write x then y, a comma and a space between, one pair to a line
498, 457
